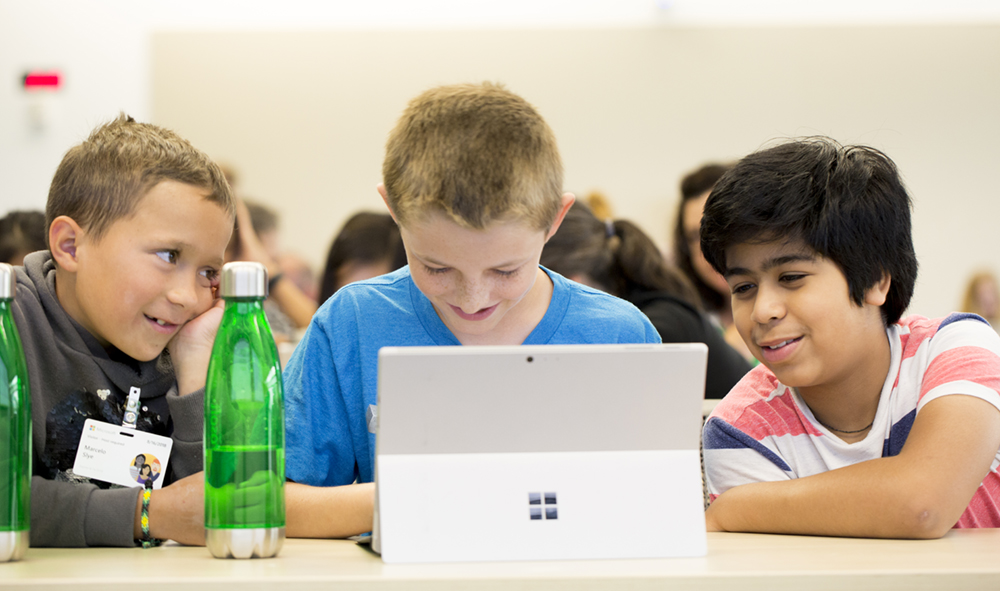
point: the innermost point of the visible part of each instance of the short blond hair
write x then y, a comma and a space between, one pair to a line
102, 179
476, 152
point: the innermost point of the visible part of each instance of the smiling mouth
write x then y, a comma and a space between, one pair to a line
478, 315
777, 346
159, 322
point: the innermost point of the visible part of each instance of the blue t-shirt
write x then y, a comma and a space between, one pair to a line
332, 377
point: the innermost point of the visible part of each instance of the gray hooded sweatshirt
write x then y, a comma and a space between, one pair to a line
73, 378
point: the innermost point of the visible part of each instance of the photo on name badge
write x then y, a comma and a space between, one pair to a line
144, 468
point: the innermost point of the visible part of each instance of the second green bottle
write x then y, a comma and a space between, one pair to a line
244, 424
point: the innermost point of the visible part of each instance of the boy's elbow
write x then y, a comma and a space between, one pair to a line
926, 525
925, 519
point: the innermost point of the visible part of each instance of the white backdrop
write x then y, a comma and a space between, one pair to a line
304, 115
677, 82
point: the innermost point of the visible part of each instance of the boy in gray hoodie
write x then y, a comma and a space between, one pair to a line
123, 301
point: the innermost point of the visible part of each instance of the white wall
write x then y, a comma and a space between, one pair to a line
304, 115
103, 48
104, 60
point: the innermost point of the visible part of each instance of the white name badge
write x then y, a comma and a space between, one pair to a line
121, 455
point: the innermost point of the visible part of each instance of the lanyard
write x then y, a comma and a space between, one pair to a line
131, 408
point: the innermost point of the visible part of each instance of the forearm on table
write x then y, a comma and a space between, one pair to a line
328, 512
920, 493
170, 519
857, 501
65, 514
176, 511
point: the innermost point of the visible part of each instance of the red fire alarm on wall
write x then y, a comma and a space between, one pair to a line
42, 80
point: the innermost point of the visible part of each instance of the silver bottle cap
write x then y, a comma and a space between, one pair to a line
8, 282
243, 279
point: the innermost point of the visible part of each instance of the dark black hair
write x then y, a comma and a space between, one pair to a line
22, 232
694, 185
617, 255
847, 203
366, 237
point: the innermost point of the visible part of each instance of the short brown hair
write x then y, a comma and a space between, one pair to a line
102, 179
477, 152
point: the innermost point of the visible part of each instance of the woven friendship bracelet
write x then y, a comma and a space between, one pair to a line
147, 541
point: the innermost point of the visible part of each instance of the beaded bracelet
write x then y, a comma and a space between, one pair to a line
147, 541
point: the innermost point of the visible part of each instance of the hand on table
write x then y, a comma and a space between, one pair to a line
177, 512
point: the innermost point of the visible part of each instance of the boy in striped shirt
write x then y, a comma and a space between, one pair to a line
858, 422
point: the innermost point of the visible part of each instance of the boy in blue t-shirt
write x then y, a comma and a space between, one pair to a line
474, 180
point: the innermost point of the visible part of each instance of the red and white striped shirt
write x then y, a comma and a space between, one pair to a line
763, 431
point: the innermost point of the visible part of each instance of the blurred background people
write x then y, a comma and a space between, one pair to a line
288, 308
368, 245
710, 285
599, 205
618, 258
266, 224
982, 296
22, 233
300, 272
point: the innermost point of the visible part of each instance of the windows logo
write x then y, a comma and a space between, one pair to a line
535, 507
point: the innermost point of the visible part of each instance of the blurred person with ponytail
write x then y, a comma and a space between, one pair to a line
711, 286
618, 258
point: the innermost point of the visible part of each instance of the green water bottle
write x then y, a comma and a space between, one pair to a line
244, 425
15, 429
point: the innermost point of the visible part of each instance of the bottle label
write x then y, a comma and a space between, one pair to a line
121, 455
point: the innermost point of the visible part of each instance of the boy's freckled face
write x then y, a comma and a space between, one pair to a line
474, 278
793, 309
151, 272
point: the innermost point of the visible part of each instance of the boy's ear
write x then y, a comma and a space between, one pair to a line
64, 237
878, 293
567, 202
385, 198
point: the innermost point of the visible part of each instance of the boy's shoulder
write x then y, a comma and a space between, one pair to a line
33, 282
757, 404
585, 295
959, 353
587, 315
914, 334
388, 286
924, 328
372, 303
